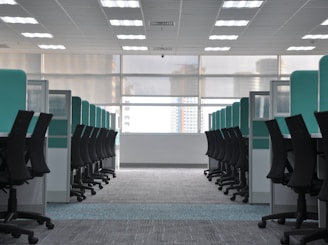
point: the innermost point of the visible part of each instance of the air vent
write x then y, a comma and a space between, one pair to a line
162, 49
3, 45
161, 23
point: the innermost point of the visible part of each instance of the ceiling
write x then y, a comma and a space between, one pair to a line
83, 27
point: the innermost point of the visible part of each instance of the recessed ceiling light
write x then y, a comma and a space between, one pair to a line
39, 35
242, 4
317, 36
126, 22
324, 23
217, 49
10, 2
300, 48
43, 46
223, 37
231, 22
120, 4
135, 48
139, 37
19, 20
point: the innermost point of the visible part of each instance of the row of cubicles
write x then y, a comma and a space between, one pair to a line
18, 93
304, 93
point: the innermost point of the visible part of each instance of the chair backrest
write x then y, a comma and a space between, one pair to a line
36, 148
100, 141
84, 146
322, 119
243, 150
234, 147
92, 144
279, 150
15, 148
221, 144
304, 151
76, 160
227, 144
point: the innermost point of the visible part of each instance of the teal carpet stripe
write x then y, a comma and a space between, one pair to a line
102, 211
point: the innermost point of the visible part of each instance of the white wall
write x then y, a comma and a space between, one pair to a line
161, 149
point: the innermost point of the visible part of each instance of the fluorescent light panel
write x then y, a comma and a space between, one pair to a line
217, 49
19, 20
300, 48
138, 37
120, 4
135, 48
126, 22
37, 35
43, 46
9, 2
223, 37
242, 4
317, 36
231, 22
325, 23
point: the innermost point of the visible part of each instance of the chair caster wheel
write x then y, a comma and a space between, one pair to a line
93, 192
220, 188
80, 199
114, 175
209, 179
226, 192
40, 222
281, 221
284, 240
233, 198
245, 200
262, 224
16, 235
50, 225
32, 240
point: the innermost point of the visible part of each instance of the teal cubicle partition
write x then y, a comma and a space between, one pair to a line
13, 96
217, 119
223, 118
259, 152
229, 116
103, 118
235, 114
92, 115
98, 116
76, 112
85, 112
304, 97
108, 119
323, 83
244, 116
58, 181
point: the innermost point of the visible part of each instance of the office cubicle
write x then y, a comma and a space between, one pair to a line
59, 151
259, 161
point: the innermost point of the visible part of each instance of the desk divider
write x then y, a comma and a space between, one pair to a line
228, 116
223, 118
235, 114
323, 83
244, 116
98, 116
58, 181
217, 120
85, 112
92, 115
76, 112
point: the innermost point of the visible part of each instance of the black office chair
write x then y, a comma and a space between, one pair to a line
281, 169
309, 235
13, 172
242, 166
109, 149
304, 178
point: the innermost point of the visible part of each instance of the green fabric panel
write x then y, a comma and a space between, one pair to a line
57, 142
222, 118
103, 118
304, 96
98, 116
323, 83
85, 112
244, 115
217, 119
261, 143
92, 115
108, 119
228, 116
76, 111
282, 125
32, 124
235, 114
13, 96
260, 129
58, 127
212, 118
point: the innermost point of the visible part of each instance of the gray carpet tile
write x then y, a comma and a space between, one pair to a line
156, 207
